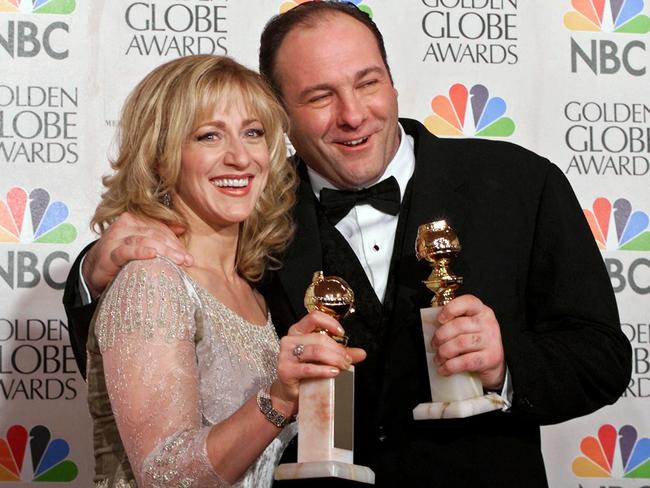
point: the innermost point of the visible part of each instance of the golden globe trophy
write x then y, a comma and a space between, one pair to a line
458, 395
326, 416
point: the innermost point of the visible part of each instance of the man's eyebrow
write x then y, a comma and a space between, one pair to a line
368, 71
326, 86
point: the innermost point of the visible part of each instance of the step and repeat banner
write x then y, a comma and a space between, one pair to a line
567, 79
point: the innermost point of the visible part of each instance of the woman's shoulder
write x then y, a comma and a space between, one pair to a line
152, 268
152, 296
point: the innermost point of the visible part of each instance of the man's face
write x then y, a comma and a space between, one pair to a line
341, 101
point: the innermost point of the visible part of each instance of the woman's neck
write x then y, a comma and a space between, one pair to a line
215, 250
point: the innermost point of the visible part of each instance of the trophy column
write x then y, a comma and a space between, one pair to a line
326, 415
461, 394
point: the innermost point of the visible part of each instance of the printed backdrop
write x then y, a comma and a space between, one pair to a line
567, 79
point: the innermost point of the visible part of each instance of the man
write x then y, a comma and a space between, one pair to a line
537, 310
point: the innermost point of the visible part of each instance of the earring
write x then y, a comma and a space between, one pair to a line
166, 199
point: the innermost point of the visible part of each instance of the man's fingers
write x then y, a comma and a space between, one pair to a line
122, 255
145, 237
452, 329
473, 362
177, 229
462, 305
140, 247
462, 344
491, 373
159, 233
130, 230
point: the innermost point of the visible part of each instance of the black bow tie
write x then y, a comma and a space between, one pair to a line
384, 196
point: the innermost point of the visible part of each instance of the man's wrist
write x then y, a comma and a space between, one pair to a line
504, 391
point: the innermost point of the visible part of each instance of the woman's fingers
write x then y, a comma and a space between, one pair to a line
316, 321
315, 348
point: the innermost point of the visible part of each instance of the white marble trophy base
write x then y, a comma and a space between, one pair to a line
456, 396
326, 432
325, 469
459, 409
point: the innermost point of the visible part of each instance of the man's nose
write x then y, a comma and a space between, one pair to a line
351, 111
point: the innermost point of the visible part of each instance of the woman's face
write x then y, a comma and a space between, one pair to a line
224, 168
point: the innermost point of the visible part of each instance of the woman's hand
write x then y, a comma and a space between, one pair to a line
307, 353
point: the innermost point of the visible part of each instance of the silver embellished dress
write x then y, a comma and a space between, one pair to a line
166, 361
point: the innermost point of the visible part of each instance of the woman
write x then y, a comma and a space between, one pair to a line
182, 362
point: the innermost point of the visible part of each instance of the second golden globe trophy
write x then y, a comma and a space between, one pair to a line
326, 415
460, 394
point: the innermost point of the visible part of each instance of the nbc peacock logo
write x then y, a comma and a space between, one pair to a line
37, 6
622, 16
618, 226
613, 454
288, 5
35, 457
483, 116
34, 218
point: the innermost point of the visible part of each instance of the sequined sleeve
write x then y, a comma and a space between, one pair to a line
145, 330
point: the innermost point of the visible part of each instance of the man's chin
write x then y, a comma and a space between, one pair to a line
355, 182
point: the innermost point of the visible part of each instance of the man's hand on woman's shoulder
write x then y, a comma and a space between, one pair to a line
127, 239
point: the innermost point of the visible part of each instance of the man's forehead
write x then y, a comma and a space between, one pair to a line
323, 23
312, 40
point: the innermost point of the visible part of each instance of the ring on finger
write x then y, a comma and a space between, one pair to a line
298, 350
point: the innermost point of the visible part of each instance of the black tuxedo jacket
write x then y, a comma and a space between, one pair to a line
527, 252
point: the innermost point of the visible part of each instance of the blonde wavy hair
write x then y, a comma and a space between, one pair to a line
159, 116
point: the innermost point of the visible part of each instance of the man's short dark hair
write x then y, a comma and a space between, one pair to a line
307, 14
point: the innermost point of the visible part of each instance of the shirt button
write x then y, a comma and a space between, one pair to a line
375, 248
526, 402
381, 435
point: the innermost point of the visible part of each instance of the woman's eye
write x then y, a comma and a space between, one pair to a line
208, 137
255, 132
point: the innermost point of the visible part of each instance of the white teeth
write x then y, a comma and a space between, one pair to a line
230, 182
355, 142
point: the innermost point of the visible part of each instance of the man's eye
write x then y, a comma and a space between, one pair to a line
319, 98
368, 83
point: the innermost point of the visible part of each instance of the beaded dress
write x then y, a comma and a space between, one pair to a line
177, 361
